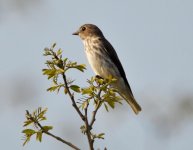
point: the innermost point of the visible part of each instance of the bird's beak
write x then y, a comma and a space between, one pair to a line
75, 33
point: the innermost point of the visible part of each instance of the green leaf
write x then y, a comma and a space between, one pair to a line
104, 88
111, 103
28, 132
101, 136
59, 52
47, 52
55, 87
81, 67
86, 91
84, 104
27, 139
75, 88
53, 45
106, 107
41, 113
49, 72
52, 72
52, 89
39, 136
59, 71
42, 119
27, 122
47, 128
65, 60
83, 129
100, 81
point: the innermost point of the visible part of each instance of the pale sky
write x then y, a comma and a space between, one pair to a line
154, 41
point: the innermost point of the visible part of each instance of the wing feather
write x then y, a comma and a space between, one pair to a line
110, 51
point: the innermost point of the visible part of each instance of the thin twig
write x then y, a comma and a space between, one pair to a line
96, 109
69, 93
88, 129
94, 114
83, 117
72, 98
52, 135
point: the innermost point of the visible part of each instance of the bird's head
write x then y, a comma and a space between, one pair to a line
87, 31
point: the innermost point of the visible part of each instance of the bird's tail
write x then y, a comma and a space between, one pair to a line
132, 102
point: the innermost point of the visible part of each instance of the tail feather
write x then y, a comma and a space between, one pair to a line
125, 91
133, 103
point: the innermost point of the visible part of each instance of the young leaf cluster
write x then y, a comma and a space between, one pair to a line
33, 120
101, 91
57, 66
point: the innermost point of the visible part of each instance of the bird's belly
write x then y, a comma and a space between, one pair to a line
101, 65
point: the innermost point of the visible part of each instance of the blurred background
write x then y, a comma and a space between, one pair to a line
154, 40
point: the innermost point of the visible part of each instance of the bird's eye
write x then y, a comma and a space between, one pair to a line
83, 28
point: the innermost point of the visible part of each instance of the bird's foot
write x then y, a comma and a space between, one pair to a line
98, 77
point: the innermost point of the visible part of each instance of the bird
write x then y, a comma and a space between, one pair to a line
104, 61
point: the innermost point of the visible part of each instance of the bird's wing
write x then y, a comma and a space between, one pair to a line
113, 56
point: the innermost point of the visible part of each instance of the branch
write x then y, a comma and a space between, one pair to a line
72, 98
52, 135
68, 91
94, 114
96, 109
83, 117
88, 129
